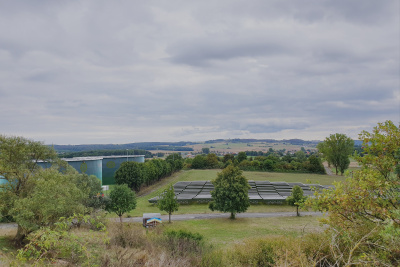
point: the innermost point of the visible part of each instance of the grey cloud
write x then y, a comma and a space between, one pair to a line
89, 71
201, 52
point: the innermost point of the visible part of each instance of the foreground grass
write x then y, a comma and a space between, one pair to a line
137, 246
223, 232
143, 206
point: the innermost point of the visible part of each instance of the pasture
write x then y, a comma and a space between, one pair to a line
143, 206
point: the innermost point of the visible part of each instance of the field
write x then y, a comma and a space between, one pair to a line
222, 232
143, 206
236, 147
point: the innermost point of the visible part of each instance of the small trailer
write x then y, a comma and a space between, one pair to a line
151, 219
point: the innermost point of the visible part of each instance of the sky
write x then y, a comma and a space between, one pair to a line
100, 72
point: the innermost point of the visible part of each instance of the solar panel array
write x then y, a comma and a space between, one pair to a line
259, 192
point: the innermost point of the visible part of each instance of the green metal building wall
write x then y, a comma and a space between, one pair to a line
112, 163
88, 165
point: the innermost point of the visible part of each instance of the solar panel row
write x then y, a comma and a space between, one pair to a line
260, 191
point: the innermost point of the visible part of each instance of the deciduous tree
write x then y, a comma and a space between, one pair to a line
212, 161
241, 156
297, 198
199, 162
51, 195
132, 174
167, 201
122, 200
366, 205
205, 150
336, 149
230, 192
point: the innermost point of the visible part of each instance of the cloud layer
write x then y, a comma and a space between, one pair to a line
90, 71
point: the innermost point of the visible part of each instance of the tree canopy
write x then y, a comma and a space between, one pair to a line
51, 195
230, 192
336, 149
297, 198
167, 201
122, 200
366, 206
132, 174
36, 197
19, 159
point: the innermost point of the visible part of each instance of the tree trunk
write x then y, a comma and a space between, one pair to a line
20, 237
297, 210
232, 216
169, 217
120, 219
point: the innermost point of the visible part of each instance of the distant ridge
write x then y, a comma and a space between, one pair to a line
290, 141
178, 146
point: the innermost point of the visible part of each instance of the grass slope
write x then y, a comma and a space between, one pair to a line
143, 206
223, 231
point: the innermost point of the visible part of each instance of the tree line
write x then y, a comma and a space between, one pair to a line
135, 174
298, 162
109, 152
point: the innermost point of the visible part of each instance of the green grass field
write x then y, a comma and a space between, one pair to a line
143, 206
223, 231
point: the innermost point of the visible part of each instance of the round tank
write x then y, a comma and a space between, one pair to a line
112, 163
87, 165
3, 180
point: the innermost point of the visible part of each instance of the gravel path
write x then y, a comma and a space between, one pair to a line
8, 225
327, 169
185, 217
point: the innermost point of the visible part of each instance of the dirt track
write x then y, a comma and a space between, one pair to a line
184, 217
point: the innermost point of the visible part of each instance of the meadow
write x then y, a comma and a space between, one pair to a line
143, 206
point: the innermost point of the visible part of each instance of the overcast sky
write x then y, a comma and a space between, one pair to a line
93, 71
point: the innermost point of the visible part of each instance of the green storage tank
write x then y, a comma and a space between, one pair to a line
112, 163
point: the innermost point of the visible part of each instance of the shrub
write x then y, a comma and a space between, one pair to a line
51, 245
182, 243
131, 236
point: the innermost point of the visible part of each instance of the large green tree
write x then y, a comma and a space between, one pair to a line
364, 210
212, 161
199, 162
230, 192
19, 159
122, 200
51, 195
132, 174
175, 160
167, 201
336, 149
241, 156
205, 150
35, 197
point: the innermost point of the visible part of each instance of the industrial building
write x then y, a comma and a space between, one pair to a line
103, 167
112, 163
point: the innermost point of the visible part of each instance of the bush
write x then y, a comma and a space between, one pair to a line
269, 251
130, 236
51, 245
181, 242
